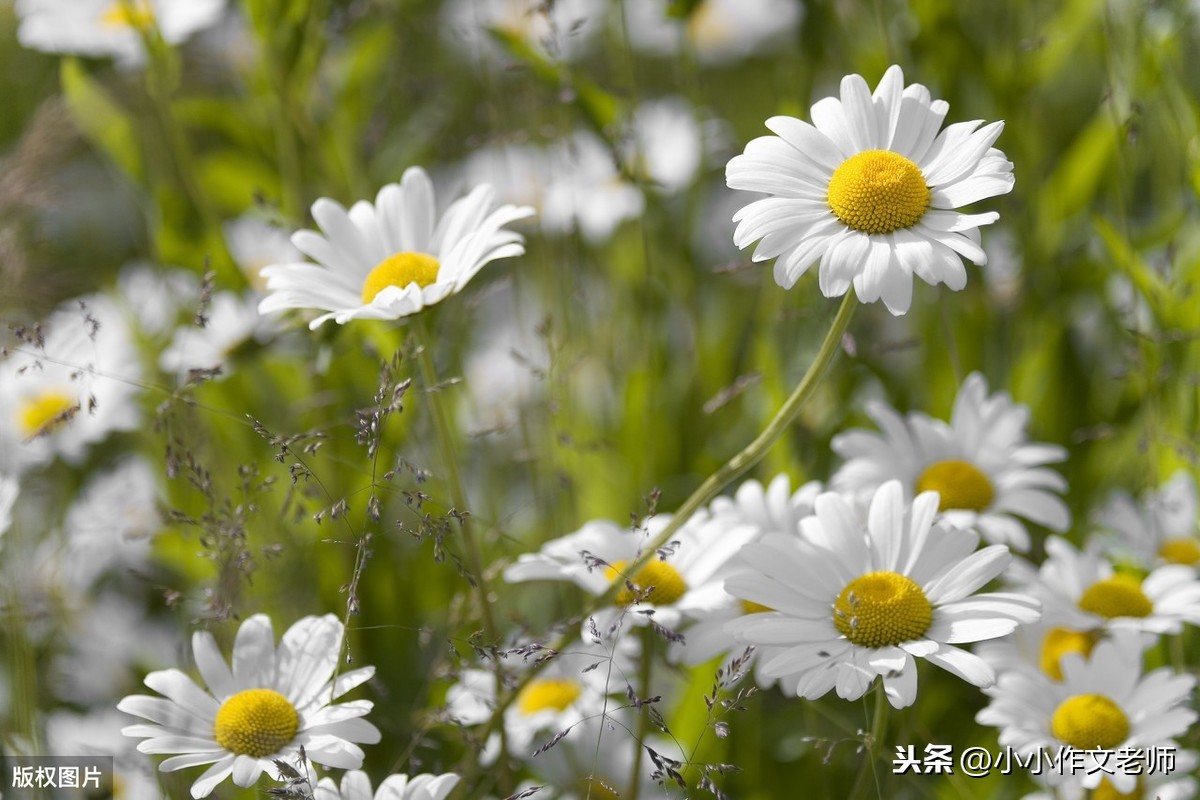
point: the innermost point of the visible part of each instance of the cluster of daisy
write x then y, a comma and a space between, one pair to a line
831, 590
826, 588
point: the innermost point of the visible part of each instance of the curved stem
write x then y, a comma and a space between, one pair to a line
874, 740
750, 455
458, 497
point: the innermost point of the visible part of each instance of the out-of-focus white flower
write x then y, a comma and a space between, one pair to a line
666, 146
232, 321
111, 27
683, 580
573, 687
982, 465
564, 29
1176, 784
263, 710
109, 641
1082, 591
154, 298
1102, 705
255, 243
98, 733
393, 258
846, 603
71, 392
1041, 646
717, 31
1161, 529
111, 523
586, 192
770, 511
357, 786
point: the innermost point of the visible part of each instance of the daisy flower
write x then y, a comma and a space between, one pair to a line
981, 464
357, 786
717, 31
111, 27
255, 243
585, 191
1042, 645
1177, 784
682, 581
69, 391
852, 601
571, 688
770, 510
393, 258
111, 524
1159, 530
665, 145
869, 191
1081, 590
272, 703
1103, 704
98, 733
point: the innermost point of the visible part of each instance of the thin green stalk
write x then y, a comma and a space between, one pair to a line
712, 485
874, 739
458, 497
157, 78
645, 670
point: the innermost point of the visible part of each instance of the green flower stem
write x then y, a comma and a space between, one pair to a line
645, 670
159, 75
874, 740
458, 497
713, 484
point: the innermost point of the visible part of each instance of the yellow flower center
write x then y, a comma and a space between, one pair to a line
751, 607
961, 484
1118, 596
256, 722
400, 269
42, 413
881, 609
1182, 550
1089, 722
1058, 642
546, 693
1106, 791
878, 191
665, 583
137, 14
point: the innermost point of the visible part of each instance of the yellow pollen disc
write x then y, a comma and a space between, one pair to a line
1183, 550
668, 585
1106, 791
1057, 643
1118, 596
400, 269
547, 693
256, 722
961, 484
878, 191
42, 413
751, 607
135, 14
1089, 722
881, 609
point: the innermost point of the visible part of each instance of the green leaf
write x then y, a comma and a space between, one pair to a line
102, 121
